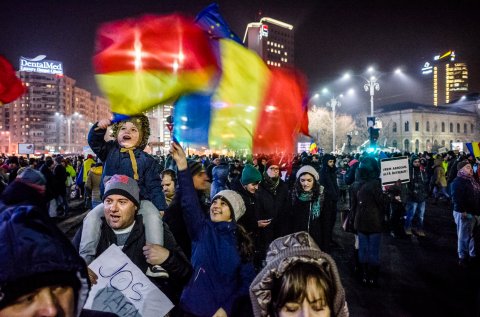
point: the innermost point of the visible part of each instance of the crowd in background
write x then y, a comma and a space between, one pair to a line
280, 196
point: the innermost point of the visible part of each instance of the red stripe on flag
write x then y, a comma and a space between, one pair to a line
151, 42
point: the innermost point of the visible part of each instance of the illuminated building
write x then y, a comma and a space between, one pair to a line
273, 40
54, 114
447, 79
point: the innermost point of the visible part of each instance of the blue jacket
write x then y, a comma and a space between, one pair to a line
116, 162
220, 277
219, 179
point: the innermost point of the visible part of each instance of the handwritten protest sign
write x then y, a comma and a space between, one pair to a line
122, 288
394, 169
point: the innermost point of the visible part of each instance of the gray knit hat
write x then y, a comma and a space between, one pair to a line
234, 200
122, 185
31, 176
310, 170
283, 253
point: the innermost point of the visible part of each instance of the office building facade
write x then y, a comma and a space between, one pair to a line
54, 114
273, 40
445, 79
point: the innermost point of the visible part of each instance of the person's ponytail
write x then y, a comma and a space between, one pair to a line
244, 244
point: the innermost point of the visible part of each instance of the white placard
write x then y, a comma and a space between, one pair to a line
303, 147
122, 288
394, 169
26, 148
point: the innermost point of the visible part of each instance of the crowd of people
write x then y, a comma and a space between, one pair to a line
219, 236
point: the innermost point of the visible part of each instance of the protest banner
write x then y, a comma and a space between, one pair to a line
394, 169
123, 289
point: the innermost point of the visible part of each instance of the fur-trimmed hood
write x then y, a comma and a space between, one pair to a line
143, 125
282, 254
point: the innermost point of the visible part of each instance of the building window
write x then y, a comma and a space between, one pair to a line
451, 127
443, 142
417, 144
394, 143
417, 125
458, 127
465, 128
407, 124
407, 145
443, 126
394, 127
471, 128
428, 126
435, 127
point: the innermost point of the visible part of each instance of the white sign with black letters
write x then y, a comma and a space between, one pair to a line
394, 169
122, 288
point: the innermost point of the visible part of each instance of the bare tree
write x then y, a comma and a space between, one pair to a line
320, 127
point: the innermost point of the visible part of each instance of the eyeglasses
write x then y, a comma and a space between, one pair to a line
274, 168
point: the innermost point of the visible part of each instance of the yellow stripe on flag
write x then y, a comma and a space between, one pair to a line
132, 93
236, 104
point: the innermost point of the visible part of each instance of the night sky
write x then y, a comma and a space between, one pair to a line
330, 36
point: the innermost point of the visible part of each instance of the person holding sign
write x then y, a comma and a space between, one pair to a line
222, 251
124, 226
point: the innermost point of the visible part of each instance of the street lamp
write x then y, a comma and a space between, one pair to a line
371, 86
69, 126
334, 103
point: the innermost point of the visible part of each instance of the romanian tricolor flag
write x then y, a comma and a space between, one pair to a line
253, 108
142, 62
474, 148
11, 87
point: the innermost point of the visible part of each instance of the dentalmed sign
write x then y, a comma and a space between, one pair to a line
40, 65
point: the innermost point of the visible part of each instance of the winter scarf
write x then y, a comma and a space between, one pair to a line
270, 183
308, 196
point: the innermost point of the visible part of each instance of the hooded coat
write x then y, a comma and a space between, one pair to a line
116, 162
282, 254
32, 250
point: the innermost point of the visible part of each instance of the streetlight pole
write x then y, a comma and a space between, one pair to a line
371, 86
69, 127
333, 103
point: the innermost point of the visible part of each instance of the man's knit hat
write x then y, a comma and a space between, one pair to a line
195, 167
462, 164
237, 206
31, 176
250, 175
310, 170
122, 185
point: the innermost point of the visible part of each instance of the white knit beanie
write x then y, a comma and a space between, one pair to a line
235, 201
308, 169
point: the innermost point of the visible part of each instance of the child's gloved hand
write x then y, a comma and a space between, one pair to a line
104, 124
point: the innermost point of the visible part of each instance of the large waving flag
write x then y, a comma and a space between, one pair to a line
11, 87
252, 108
142, 62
